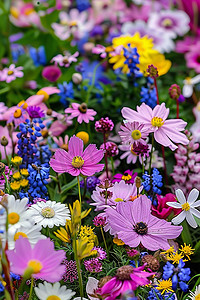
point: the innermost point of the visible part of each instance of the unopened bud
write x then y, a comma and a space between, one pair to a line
49, 112
103, 281
138, 182
2, 167
88, 47
175, 91
152, 71
77, 78
4, 141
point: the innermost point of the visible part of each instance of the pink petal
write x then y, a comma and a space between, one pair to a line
75, 146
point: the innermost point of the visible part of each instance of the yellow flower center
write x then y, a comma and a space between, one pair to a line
197, 297
23, 104
18, 234
10, 72
167, 22
126, 177
28, 11
185, 206
17, 113
136, 134
157, 122
48, 212
53, 297
119, 200
84, 136
43, 93
72, 23
77, 162
13, 218
165, 285
35, 265
14, 12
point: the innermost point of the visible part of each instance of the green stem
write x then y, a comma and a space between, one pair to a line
80, 280
6, 155
31, 289
79, 190
104, 240
151, 154
7, 189
112, 164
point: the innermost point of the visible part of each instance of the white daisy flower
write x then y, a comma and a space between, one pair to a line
189, 84
54, 291
187, 206
31, 232
17, 213
195, 295
49, 213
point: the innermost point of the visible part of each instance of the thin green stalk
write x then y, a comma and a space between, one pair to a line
31, 289
104, 240
80, 280
7, 158
79, 190
151, 154
112, 164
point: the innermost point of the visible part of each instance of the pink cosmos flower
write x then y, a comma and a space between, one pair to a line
65, 61
62, 143
134, 224
44, 260
127, 278
51, 73
165, 131
81, 111
100, 49
193, 57
134, 133
128, 177
76, 161
11, 73
162, 211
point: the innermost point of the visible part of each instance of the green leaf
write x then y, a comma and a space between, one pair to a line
185, 234
69, 185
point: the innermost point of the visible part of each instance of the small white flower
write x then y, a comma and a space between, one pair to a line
17, 213
49, 213
195, 295
187, 206
47, 291
189, 84
31, 232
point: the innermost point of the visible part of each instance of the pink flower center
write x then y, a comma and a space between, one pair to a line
77, 162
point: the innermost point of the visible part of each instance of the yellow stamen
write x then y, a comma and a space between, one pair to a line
136, 134
10, 72
43, 93
48, 212
119, 200
53, 297
18, 234
157, 122
23, 104
13, 218
126, 177
185, 206
17, 113
167, 22
77, 162
35, 265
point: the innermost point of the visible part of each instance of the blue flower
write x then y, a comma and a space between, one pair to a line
152, 184
180, 275
148, 94
38, 180
82, 5
16, 50
38, 56
154, 294
91, 182
66, 91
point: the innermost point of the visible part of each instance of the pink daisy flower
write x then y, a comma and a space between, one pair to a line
65, 61
127, 278
133, 133
76, 161
81, 111
165, 131
100, 49
42, 258
128, 177
134, 224
11, 73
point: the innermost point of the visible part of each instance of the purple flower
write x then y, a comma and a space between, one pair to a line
134, 224
93, 265
128, 177
35, 112
101, 254
51, 73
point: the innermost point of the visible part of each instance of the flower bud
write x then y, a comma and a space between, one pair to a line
77, 78
2, 167
4, 141
138, 182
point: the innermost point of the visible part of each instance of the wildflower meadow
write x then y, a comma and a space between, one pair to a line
99, 149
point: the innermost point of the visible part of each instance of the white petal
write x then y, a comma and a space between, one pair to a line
196, 204
179, 219
195, 212
174, 204
193, 195
190, 219
180, 196
187, 90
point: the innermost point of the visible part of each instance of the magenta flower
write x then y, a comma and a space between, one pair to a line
165, 131
43, 259
134, 133
128, 177
193, 57
81, 111
11, 73
51, 73
76, 161
35, 112
134, 224
162, 211
126, 278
